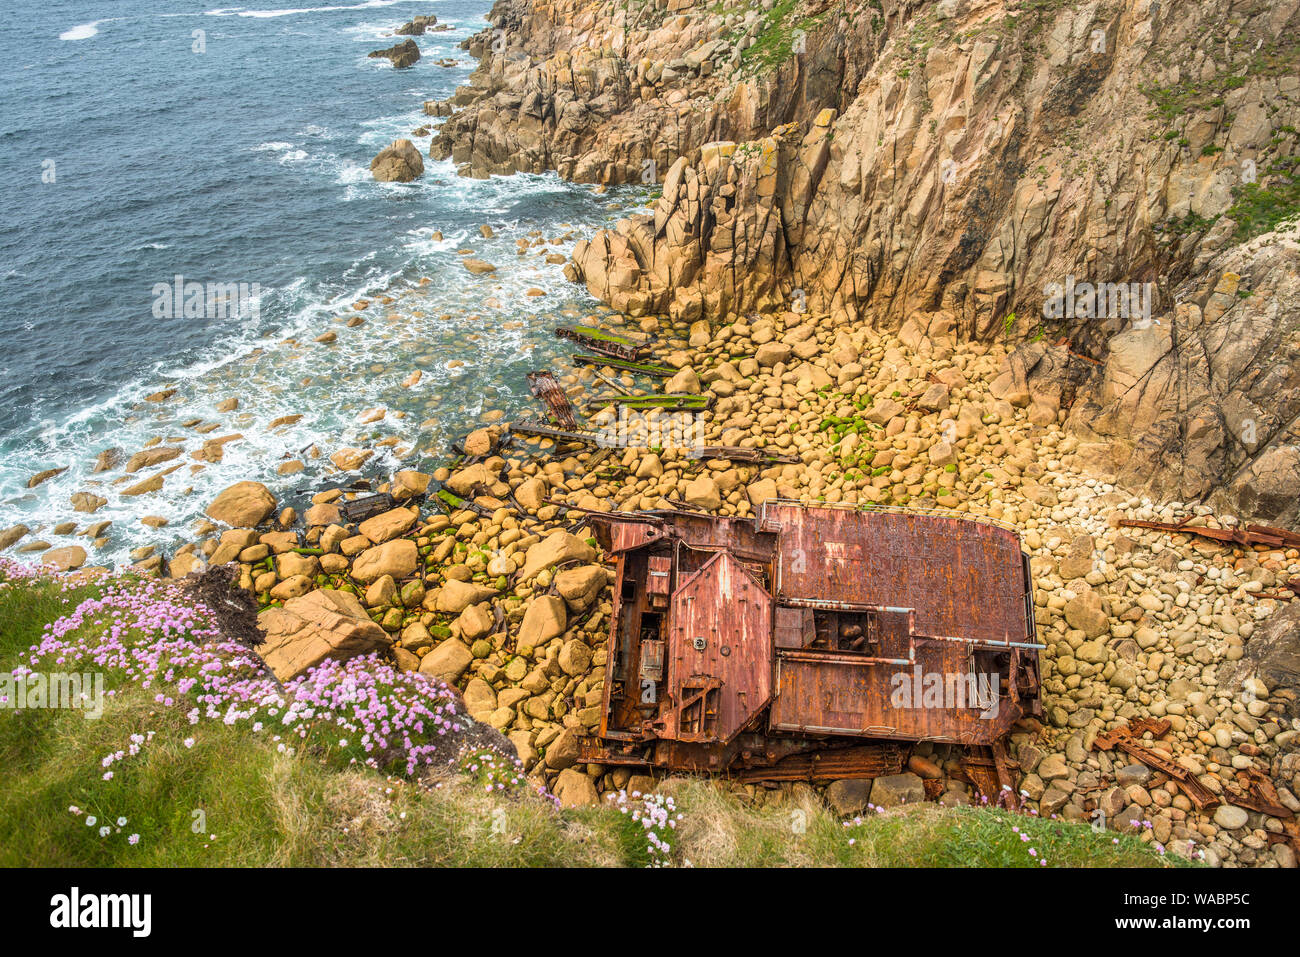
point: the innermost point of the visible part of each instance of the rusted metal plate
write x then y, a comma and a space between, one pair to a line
623, 536
938, 698
735, 453
964, 578
360, 509
543, 386
727, 640
659, 582
794, 627
866, 761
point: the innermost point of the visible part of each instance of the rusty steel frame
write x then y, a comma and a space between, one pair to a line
544, 386
640, 734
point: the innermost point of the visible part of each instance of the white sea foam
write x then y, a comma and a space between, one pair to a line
84, 31
268, 14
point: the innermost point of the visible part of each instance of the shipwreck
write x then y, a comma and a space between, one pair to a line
814, 642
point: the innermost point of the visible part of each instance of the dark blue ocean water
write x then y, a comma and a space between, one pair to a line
129, 159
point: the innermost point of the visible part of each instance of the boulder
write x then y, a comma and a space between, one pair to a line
475, 622
531, 494
559, 546
289, 588
448, 661
45, 476
1230, 817
466, 480
545, 619
564, 751
398, 558
895, 789
148, 458
65, 559
321, 624
87, 502
1079, 562
575, 657
581, 586
1085, 612
481, 442
479, 696
455, 596
242, 505
771, 353
388, 525
703, 492
685, 382
760, 491
575, 789
1273, 656
408, 484
416, 26
398, 162
849, 796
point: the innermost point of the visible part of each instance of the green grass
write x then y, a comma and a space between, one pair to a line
775, 43
233, 799
1259, 209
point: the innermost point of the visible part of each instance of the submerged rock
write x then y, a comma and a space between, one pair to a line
401, 55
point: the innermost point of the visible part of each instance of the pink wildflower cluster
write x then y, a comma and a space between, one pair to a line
493, 770
382, 717
658, 818
151, 634
12, 572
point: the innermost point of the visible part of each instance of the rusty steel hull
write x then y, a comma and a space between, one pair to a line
811, 630
817, 694
962, 577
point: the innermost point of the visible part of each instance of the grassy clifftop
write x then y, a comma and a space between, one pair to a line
197, 761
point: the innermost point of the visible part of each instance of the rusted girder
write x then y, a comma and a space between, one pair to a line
737, 454
543, 386
868, 761
1248, 536
541, 430
1126, 738
602, 342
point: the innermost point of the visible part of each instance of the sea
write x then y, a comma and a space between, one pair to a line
152, 146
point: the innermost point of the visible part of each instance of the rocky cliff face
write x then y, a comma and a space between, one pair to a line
1077, 177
